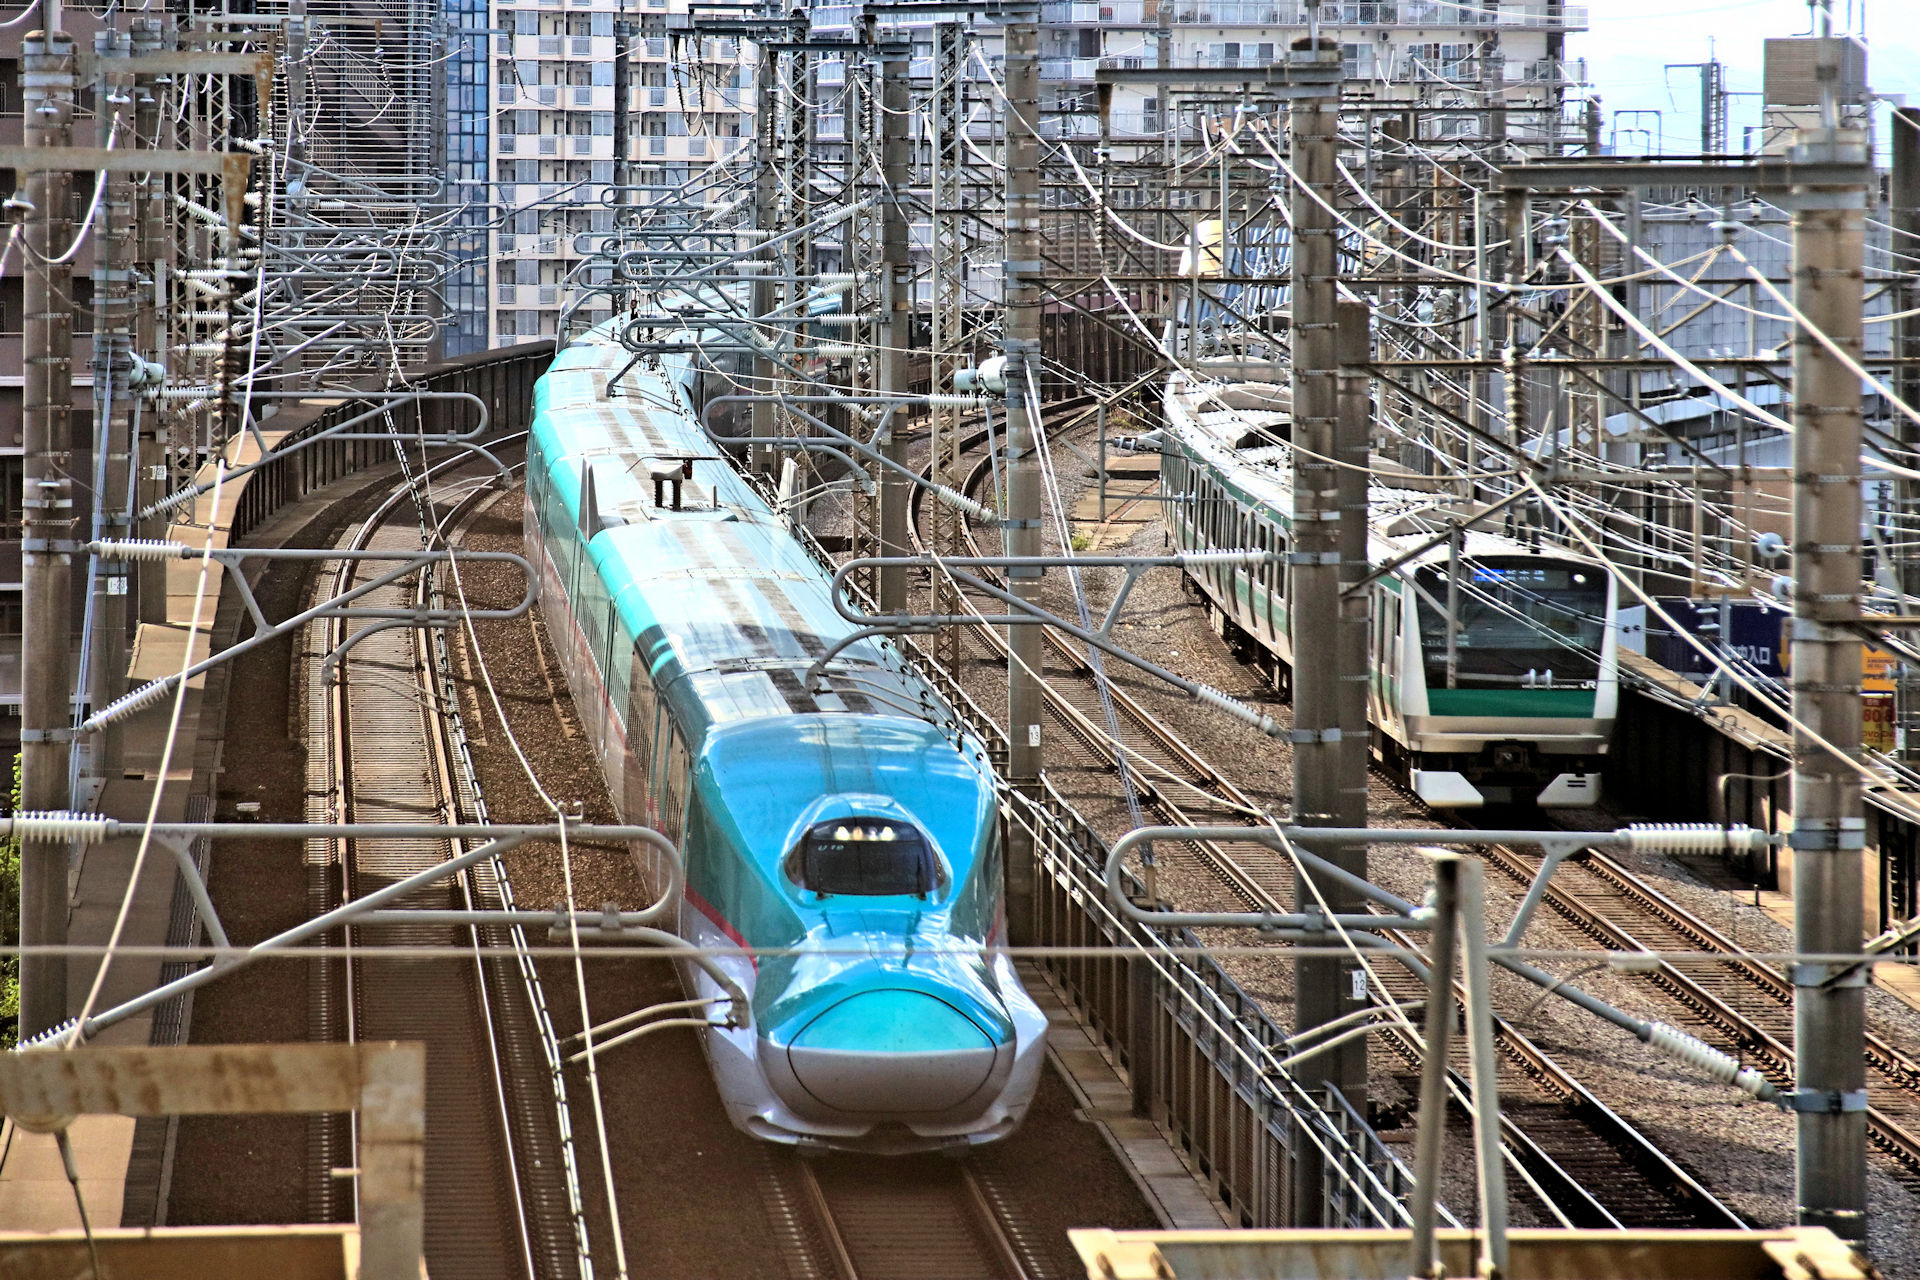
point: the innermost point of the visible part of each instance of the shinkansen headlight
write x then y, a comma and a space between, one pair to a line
866, 857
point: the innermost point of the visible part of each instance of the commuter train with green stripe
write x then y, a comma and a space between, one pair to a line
840, 834
1516, 707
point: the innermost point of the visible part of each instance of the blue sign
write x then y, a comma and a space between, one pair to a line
1757, 639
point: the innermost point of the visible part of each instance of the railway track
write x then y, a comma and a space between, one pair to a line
1583, 1164
916, 1218
500, 1201
1743, 1006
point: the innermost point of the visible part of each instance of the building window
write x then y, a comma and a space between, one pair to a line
12, 481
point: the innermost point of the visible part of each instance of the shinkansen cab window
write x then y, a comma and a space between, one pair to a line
868, 857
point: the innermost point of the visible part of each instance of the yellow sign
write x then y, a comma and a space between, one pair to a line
1877, 666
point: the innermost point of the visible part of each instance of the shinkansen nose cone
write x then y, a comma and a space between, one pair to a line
888, 1051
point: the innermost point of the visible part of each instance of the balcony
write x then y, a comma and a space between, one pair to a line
582, 46
550, 46
1130, 13
1073, 69
549, 294
582, 95
507, 295
549, 144
508, 142
1526, 14
546, 95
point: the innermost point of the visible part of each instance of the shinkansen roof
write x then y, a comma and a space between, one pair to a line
729, 609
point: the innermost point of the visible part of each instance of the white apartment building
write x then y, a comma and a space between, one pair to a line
1431, 53
549, 149
536, 136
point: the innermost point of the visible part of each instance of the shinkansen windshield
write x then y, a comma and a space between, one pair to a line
1523, 621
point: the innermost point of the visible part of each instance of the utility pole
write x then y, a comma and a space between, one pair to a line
1713, 103
946, 322
46, 706
1330, 428
1905, 216
1904, 213
116, 248
1021, 345
765, 214
623, 34
150, 35
1829, 828
896, 312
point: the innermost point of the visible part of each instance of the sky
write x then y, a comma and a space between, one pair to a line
1630, 41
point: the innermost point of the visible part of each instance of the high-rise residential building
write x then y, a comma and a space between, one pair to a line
536, 134
542, 114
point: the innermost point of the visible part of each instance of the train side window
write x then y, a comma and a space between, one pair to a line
620, 661
640, 716
593, 613
864, 857
678, 766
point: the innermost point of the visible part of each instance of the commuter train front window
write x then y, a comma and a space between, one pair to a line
1523, 623
865, 857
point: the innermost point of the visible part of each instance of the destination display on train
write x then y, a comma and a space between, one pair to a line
1546, 577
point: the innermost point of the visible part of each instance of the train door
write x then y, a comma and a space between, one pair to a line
1173, 491
1378, 648
1263, 582
1392, 658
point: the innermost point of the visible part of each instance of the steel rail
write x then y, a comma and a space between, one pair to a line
875, 1224
521, 1137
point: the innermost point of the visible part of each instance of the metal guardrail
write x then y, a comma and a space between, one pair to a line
1202, 1056
503, 378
